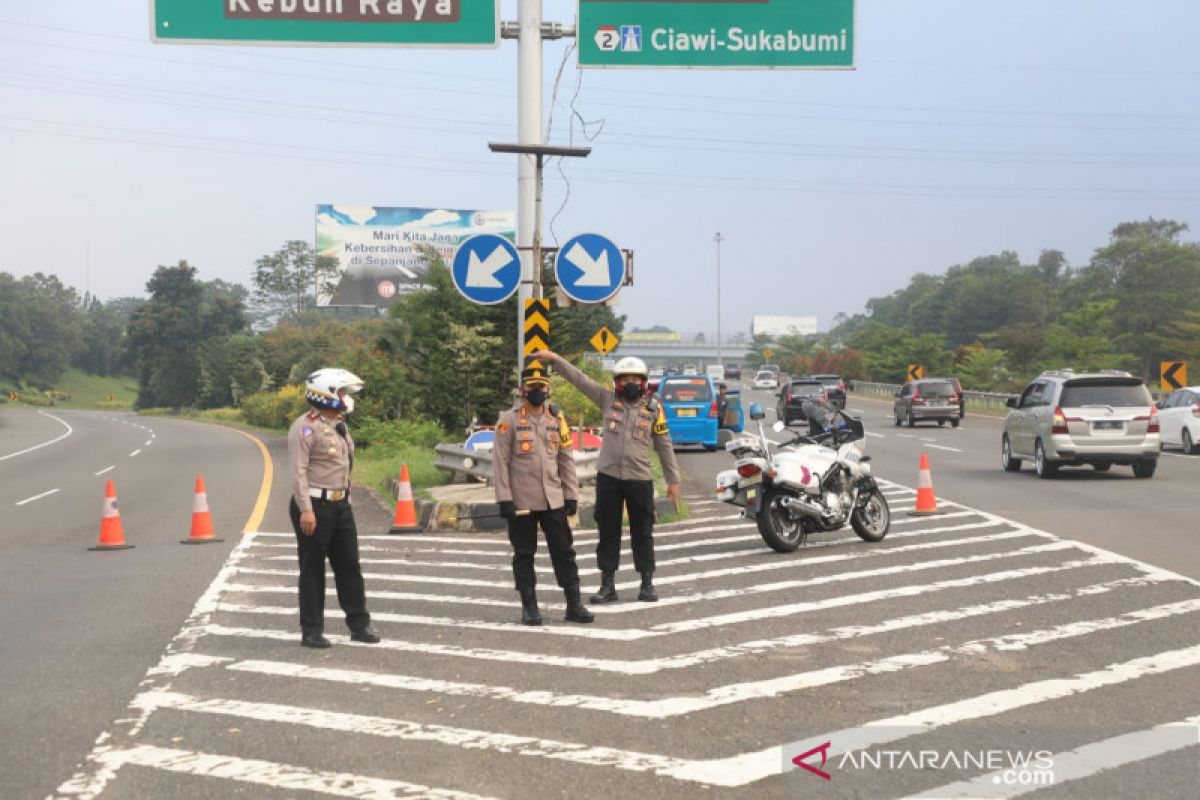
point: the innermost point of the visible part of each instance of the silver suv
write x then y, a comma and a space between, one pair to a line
1066, 419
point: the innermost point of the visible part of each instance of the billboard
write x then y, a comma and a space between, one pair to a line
378, 248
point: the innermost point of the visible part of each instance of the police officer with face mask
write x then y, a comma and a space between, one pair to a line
536, 485
633, 423
320, 457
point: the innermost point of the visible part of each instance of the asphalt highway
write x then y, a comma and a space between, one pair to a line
1036, 637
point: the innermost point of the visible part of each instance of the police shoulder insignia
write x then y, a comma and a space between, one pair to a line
306, 431
502, 427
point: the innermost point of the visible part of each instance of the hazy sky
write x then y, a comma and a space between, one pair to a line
969, 127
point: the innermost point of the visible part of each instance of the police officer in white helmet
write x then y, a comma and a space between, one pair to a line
320, 457
634, 422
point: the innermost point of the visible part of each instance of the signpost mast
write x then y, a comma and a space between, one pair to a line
529, 132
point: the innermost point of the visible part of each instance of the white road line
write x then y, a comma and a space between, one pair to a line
147, 444
876, 435
857, 554
645, 667
36, 497
134, 453
62, 422
413, 731
106, 469
273, 774
940, 447
90, 781
736, 770
761, 646
729, 694
747, 768
692, 598
1083, 762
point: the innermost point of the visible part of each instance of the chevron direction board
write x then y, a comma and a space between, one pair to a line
915, 372
373, 23
589, 268
754, 34
537, 325
1173, 375
486, 269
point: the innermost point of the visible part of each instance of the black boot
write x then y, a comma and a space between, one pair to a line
607, 593
647, 594
529, 607
576, 610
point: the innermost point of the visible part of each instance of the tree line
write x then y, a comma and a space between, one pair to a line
198, 344
995, 322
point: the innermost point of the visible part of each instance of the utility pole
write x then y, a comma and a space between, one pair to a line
531, 151
718, 238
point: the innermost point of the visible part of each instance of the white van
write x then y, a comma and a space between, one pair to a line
715, 371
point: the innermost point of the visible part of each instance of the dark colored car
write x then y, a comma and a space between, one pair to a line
733, 372
794, 394
927, 400
835, 387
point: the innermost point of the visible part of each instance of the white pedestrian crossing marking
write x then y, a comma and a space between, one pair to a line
718, 585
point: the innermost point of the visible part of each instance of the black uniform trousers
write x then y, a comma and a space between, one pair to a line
335, 538
522, 534
613, 496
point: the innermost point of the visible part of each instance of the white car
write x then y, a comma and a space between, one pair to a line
1179, 419
765, 380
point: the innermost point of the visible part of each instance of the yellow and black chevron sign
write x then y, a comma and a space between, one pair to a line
915, 372
537, 325
1172, 375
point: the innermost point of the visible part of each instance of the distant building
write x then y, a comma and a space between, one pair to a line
770, 325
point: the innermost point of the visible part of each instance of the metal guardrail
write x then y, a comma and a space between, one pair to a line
477, 464
982, 401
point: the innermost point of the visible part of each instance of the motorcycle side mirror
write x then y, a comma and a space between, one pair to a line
779, 427
756, 411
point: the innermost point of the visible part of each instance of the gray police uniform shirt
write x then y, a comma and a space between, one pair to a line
533, 465
629, 429
318, 457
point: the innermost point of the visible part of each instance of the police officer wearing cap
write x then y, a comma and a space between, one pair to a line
633, 423
536, 484
320, 457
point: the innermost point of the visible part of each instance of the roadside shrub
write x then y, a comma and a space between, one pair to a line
274, 409
222, 415
397, 434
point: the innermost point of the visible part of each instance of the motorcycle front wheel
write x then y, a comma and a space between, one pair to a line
779, 530
872, 519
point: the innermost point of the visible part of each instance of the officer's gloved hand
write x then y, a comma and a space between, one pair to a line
571, 507
507, 509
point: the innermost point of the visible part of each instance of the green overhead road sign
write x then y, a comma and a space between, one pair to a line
379, 23
763, 34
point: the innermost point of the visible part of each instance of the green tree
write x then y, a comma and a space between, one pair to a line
166, 332
1083, 339
288, 281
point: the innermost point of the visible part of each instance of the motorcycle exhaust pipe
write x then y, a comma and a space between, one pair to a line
803, 506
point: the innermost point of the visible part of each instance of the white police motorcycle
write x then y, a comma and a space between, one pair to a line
811, 483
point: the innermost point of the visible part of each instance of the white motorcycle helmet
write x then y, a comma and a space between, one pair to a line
321, 389
631, 366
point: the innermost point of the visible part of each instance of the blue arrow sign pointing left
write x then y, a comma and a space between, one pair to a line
487, 269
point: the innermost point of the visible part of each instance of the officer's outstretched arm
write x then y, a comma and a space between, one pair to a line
599, 395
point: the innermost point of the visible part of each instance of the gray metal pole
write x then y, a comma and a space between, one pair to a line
718, 238
529, 131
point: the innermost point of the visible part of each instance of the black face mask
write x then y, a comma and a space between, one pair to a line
631, 391
536, 397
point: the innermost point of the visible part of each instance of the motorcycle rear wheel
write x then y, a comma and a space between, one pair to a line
872, 520
777, 528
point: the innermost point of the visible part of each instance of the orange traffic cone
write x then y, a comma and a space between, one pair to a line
112, 534
406, 507
926, 502
202, 527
